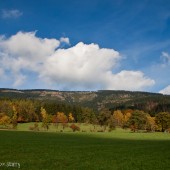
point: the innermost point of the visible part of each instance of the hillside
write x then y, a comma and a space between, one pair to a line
151, 102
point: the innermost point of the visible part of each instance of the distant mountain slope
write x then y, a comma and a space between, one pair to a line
152, 102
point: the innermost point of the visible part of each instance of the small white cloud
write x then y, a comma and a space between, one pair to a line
65, 40
166, 90
165, 58
14, 13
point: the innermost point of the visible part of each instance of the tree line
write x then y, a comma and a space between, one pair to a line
13, 112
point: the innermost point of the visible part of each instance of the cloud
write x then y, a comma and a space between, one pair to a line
88, 66
14, 13
129, 80
27, 45
166, 90
81, 67
25, 51
165, 58
65, 40
1, 72
19, 80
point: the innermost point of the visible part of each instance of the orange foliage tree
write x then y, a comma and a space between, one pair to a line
60, 117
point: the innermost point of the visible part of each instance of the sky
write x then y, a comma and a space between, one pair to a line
85, 45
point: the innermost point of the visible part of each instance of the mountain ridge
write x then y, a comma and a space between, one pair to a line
112, 99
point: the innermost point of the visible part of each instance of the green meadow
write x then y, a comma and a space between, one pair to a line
116, 150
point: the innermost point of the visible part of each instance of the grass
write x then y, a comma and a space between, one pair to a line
52, 128
117, 150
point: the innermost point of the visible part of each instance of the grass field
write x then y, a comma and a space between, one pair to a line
117, 150
52, 128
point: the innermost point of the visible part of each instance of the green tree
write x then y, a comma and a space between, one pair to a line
162, 119
138, 120
88, 115
112, 123
103, 117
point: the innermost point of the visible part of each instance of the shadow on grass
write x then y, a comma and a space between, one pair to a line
114, 151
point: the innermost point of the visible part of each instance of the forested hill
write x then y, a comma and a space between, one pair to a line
150, 102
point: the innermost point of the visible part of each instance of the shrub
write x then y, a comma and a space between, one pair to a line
74, 127
100, 131
35, 127
83, 130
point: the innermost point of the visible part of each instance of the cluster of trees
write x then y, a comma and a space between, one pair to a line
32, 111
135, 120
47, 112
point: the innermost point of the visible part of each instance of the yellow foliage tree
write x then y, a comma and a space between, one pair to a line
70, 117
151, 124
118, 116
127, 113
14, 120
46, 119
61, 117
5, 121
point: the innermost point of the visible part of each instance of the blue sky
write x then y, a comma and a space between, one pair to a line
126, 41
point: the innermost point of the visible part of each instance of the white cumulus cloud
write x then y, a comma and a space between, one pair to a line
25, 51
81, 67
129, 80
166, 90
14, 13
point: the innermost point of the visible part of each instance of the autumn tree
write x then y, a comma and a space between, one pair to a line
118, 116
162, 119
14, 119
5, 120
150, 124
46, 119
26, 111
60, 117
127, 113
70, 117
